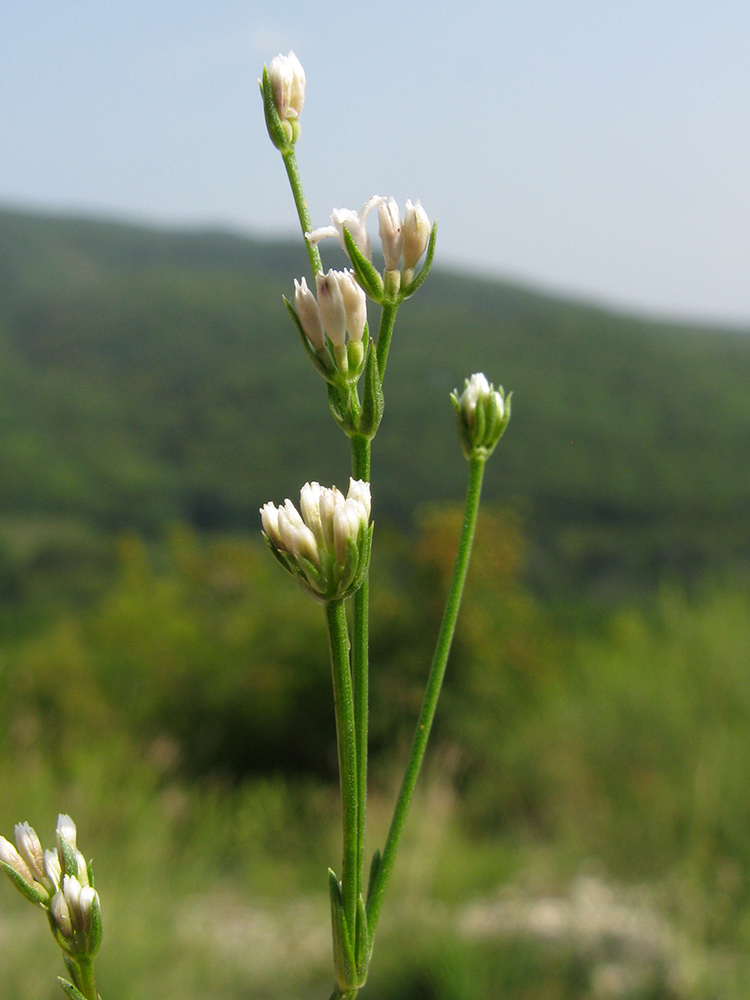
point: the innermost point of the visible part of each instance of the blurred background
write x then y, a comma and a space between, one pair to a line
581, 830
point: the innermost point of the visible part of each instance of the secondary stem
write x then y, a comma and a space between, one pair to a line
432, 691
295, 182
338, 637
361, 470
387, 322
88, 984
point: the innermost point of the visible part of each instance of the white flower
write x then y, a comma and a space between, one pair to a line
353, 222
391, 236
287, 80
416, 234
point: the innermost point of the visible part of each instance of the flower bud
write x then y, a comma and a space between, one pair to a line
309, 314
287, 79
61, 915
416, 234
52, 868
30, 849
66, 844
355, 304
391, 236
335, 527
332, 308
482, 414
66, 830
10, 857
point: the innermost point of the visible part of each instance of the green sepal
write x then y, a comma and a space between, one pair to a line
424, 270
343, 953
72, 970
374, 869
32, 894
337, 405
70, 990
90, 873
68, 945
373, 402
276, 131
320, 366
364, 270
69, 858
94, 940
362, 942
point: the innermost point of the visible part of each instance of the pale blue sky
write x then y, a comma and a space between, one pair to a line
598, 147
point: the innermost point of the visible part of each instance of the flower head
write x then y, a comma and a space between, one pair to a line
482, 414
327, 546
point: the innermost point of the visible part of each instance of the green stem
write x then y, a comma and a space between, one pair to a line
295, 182
87, 981
432, 691
387, 322
338, 636
361, 470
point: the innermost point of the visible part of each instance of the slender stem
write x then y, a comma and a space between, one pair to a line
87, 981
387, 321
361, 638
338, 636
432, 691
295, 182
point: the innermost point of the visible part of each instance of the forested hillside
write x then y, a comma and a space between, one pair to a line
148, 377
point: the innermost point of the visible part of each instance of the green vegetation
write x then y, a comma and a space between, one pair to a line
582, 829
140, 383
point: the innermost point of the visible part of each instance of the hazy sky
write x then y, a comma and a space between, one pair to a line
590, 146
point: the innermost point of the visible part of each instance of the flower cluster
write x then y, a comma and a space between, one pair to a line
403, 241
60, 882
482, 414
340, 309
326, 546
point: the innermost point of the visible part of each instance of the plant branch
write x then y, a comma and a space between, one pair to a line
432, 692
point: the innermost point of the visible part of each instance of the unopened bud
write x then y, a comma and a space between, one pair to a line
355, 305
10, 857
332, 308
30, 849
61, 915
391, 236
308, 313
416, 234
287, 80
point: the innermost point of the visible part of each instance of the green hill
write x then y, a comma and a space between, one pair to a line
149, 376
